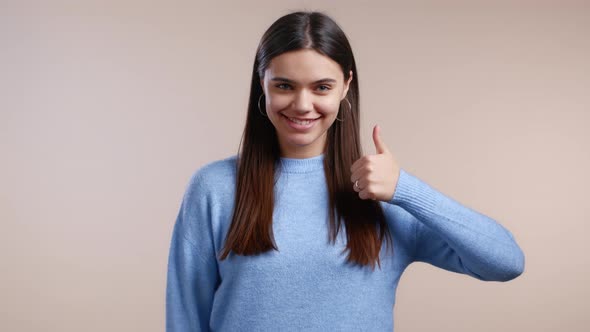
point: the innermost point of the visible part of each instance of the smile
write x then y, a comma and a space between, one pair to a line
300, 124
303, 122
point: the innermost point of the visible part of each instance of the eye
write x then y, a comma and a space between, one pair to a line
283, 86
325, 87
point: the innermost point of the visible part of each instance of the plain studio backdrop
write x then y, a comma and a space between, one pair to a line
108, 107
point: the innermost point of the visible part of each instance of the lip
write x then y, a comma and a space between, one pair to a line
298, 126
302, 119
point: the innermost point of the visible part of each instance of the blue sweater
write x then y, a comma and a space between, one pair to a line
307, 285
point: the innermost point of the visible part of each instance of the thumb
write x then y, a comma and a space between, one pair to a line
380, 146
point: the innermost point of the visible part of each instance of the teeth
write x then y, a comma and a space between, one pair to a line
301, 122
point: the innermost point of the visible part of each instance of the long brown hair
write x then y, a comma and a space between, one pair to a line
250, 232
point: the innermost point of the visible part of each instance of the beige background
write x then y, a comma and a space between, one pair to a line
107, 107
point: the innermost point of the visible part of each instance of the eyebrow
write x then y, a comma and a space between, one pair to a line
323, 80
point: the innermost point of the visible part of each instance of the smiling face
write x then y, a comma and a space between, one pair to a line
303, 90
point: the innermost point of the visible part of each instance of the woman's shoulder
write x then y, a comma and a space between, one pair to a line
221, 167
216, 174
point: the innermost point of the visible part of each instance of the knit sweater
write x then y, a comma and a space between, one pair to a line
307, 285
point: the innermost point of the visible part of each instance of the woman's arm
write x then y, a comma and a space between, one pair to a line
456, 238
192, 267
447, 234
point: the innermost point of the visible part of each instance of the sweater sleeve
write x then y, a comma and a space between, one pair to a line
192, 267
456, 238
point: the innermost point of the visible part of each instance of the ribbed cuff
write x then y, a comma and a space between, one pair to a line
413, 194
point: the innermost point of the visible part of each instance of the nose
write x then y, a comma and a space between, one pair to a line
303, 101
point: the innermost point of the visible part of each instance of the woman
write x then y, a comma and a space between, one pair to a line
287, 234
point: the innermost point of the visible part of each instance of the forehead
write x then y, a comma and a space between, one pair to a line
304, 66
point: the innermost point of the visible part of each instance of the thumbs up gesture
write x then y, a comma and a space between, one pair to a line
375, 176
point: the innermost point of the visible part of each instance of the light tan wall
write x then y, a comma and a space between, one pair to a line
107, 107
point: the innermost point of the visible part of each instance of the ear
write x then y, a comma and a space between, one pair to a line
262, 83
346, 85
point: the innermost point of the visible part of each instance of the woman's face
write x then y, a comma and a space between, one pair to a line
300, 86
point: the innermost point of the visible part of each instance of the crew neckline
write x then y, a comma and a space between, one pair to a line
302, 165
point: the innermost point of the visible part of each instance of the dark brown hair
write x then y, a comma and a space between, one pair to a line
250, 232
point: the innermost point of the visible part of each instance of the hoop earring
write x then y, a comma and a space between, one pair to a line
259, 110
349, 107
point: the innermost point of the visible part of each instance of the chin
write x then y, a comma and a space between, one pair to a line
301, 144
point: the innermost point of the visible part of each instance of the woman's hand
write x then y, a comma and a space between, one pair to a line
376, 174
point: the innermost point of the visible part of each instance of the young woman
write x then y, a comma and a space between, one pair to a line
299, 230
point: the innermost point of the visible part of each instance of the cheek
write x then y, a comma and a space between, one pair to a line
328, 107
278, 102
